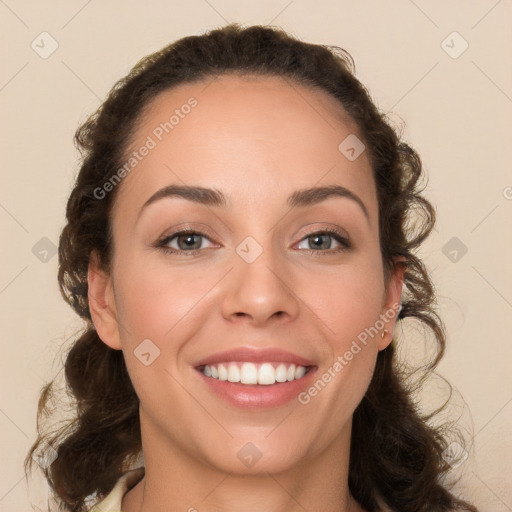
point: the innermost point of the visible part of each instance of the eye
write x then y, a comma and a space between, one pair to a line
190, 242
322, 242
185, 241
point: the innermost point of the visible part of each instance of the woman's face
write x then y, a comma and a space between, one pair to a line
273, 266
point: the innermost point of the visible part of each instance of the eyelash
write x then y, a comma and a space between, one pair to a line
339, 237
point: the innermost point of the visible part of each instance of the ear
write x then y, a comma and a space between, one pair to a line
392, 300
102, 303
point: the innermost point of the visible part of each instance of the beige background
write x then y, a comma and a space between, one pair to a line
457, 113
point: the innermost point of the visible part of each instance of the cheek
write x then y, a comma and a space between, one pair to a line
154, 303
166, 305
349, 302
153, 299
350, 306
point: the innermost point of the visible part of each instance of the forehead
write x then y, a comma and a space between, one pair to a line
253, 137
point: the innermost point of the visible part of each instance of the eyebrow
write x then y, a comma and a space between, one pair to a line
213, 197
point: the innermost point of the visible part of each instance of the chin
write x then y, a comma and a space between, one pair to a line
255, 455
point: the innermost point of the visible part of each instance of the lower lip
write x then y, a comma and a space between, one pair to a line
254, 396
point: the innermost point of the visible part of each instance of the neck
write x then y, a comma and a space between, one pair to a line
188, 484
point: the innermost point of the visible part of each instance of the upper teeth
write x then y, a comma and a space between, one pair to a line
250, 373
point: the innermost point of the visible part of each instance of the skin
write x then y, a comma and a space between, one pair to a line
256, 139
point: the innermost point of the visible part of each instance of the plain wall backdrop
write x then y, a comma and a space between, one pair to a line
441, 67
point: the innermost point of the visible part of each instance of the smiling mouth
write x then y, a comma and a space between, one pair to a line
262, 374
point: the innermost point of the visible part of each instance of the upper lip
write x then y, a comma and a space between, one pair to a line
254, 355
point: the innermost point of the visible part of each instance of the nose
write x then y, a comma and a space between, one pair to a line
260, 292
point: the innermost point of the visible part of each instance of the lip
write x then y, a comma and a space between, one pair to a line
258, 397
253, 355
255, 396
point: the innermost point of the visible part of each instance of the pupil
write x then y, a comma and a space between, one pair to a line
189, 240
317, 238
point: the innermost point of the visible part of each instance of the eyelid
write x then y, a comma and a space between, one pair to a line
200, 229
334, 232
162, 241
326, 228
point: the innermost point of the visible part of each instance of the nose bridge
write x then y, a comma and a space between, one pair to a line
259, 289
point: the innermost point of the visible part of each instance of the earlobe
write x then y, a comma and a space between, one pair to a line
102, 304
392, 302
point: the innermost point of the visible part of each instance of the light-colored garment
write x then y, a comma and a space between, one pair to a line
112, 502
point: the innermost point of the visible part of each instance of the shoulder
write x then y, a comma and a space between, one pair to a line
112, 502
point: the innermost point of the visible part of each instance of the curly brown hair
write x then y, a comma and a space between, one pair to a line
396, 455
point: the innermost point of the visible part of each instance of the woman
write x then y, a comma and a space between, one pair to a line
240, 240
